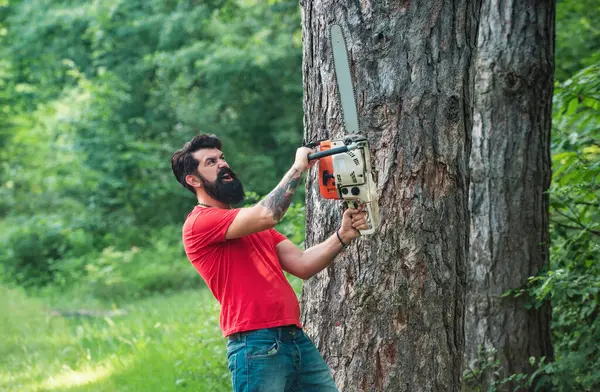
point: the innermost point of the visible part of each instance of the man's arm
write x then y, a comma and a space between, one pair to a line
305, 264
280, 198
269, 211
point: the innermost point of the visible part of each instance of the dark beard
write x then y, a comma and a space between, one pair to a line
229, 193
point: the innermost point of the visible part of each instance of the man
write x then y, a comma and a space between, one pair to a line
242, 258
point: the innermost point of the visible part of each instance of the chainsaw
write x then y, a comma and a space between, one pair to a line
345, 171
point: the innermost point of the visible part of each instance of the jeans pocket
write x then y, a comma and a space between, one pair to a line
262, 348
232, 347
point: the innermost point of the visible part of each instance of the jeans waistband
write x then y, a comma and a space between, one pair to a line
281, 333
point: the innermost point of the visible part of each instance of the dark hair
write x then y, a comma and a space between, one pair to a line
184, 164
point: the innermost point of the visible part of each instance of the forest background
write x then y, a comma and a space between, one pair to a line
95, 96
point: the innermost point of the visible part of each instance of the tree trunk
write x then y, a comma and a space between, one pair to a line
510, 173
387, 315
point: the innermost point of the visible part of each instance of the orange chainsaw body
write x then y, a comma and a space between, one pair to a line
327, 184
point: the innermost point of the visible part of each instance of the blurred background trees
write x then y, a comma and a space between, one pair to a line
96, 95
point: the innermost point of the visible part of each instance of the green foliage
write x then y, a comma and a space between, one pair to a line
34, 247
573, 281
100, 94
575, 189
488, 367
113, 274
577, 36
121, 85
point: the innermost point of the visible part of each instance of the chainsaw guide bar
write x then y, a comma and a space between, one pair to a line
344, 79
345, 171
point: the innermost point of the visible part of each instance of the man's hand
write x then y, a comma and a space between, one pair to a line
305, 264
353, 220
302, 163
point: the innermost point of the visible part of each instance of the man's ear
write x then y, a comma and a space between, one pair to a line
193, 181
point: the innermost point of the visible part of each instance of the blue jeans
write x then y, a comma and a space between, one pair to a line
281, 359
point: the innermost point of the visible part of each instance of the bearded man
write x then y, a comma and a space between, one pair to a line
242, 257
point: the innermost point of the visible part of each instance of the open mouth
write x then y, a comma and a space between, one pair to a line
226, 178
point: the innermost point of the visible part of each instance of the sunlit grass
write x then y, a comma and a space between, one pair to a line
164, 343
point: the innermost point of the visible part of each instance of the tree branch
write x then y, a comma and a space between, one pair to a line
579, 226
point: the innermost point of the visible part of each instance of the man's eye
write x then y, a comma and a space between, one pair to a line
211, 161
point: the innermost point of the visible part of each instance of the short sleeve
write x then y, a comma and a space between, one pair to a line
277, 237
210, 226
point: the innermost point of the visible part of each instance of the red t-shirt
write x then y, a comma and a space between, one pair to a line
243, 274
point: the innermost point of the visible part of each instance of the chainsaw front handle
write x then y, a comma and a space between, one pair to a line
332, 151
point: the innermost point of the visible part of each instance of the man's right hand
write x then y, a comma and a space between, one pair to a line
353, 220
302, 163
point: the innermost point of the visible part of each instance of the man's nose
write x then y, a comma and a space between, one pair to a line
223, 164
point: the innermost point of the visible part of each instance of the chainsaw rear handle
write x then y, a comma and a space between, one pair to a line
332, 151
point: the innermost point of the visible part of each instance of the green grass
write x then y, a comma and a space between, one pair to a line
164, 343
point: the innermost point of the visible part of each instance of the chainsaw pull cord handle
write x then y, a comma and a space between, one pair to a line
332, 151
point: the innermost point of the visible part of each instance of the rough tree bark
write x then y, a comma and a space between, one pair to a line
388, 314
510, 173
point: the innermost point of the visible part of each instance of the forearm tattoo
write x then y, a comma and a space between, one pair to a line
280, 198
